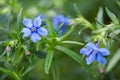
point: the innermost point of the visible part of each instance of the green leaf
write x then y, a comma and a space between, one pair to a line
74, 56
55, 70
20, 58
112, 16
30, 67
68, 33
51, 29
18, 18
76, 8
113, 61
6, 63
100, 17
10, 73
4, 30
72, 42
48, 61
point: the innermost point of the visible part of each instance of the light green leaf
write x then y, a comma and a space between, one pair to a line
48, 61
100, 17
113, 61
112, 16
18, 18
51, 28
72, 42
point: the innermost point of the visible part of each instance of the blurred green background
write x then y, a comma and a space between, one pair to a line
68, 69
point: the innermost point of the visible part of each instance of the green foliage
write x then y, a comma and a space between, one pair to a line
112, 16
48, 61
113, 61
90, 21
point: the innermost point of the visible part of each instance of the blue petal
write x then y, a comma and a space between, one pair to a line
35, 37
26, 32
83, 51
27, 22
42, 31
67, 20
43, 16
37, 21
104, 51
55, 23
90, 45
90, 58
101, 59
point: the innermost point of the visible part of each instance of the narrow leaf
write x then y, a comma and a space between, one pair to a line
100, 17
51, 28
48, 61
10, 73
68, 33
112, 16
55, 70
72, 42
113, 61
18, 18
74, 56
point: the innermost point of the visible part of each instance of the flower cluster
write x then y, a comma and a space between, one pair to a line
61, 20
93, 53
33, 29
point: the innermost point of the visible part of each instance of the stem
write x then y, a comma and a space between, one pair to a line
98, 44
67, 34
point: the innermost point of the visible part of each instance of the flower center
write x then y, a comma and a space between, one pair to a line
95, 51
33, 29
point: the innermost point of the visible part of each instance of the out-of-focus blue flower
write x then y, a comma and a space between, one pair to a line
43, 18
61, 20
93, 53
33, 29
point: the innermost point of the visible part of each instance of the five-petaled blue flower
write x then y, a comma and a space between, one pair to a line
33, 29
93, 53
61, 20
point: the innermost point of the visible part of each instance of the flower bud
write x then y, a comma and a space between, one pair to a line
27, 53
8, 48
101, 70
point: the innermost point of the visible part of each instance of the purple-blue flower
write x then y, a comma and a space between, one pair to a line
33, 29
61, 20
94, 53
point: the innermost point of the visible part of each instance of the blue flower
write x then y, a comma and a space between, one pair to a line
60, 20
43, 18
33, 29
93, 53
